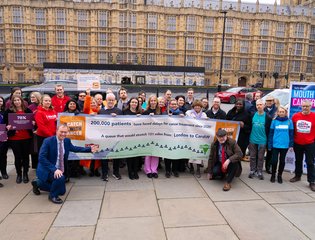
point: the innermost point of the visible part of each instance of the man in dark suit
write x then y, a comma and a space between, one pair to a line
52, 166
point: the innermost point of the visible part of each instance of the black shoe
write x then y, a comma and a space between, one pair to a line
117, 176
268, 171
273, 178
18, 179
96, 173
312, 186
149, 175
35, 187
131, 176
55, 200
5, 176
280, 179
136, 176
91, 174
175, 174
1, 185
25, 178
105, 177
167, 175
155, 175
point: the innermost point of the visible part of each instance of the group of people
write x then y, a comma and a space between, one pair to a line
264, 127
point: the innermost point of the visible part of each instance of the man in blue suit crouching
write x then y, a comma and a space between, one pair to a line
52, 164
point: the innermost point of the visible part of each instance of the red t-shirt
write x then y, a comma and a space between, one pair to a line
20, 134
304, 128
59, 103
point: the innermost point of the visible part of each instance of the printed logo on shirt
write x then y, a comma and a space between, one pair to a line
51, 117
303, 126
282, 126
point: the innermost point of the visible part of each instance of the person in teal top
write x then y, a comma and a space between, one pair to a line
258, 140
279, 141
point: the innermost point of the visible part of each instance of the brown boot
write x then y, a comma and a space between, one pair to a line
227, 187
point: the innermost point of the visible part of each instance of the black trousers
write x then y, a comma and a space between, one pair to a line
133, 165
230, 173
104, 164
3, 157
21, 150
34, 156
268, 159
309, 151
171, 164
275, 157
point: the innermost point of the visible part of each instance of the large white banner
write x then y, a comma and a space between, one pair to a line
171, 137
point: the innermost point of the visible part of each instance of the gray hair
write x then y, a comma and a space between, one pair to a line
249, 96
110, 95
260, 101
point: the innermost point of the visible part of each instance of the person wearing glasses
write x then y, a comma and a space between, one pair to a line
81, 99
304, 143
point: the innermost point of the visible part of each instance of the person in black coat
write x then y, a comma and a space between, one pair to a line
215, 112
238, 113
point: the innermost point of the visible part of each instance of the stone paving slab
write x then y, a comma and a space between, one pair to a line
11, 195
129, 204
73, 233
220, 232
140, 228
26, 226
37, 204
266, 186
86, 193
239, 191
301, 215
88, 181
286, 197
78, 213
257, 220
178, 188
189, 212
125, 184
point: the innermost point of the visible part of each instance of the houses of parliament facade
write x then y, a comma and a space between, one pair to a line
273, 44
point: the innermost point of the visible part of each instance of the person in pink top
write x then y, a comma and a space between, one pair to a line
60, 99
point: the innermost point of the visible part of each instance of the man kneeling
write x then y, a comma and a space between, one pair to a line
52, 164
224, 160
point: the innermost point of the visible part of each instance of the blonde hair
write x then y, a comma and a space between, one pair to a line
37, 95
42, 99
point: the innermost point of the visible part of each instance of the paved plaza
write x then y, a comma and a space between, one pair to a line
157, 209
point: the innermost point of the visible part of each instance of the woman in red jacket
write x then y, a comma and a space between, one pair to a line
45, 119
19, 140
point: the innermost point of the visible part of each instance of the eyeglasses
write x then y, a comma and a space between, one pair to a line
82, 95
306, 106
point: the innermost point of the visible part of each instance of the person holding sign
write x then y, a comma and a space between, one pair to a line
151, 162
3, 143
196, 112
224, 159
53, 163
304, 143
19, 140
173, 110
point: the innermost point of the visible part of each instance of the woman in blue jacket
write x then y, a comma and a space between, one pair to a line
280, 140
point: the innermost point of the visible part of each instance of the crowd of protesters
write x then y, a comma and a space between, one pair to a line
265, 130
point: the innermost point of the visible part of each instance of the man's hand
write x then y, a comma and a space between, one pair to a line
241, 124
226, 164
58, 174
94, 148
113, 114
